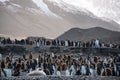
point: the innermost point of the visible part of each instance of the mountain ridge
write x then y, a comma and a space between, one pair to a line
77, 34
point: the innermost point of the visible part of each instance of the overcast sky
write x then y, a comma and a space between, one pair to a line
102, 8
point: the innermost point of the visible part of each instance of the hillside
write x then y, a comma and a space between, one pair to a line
91, 33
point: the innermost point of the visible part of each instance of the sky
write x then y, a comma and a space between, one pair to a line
107, 9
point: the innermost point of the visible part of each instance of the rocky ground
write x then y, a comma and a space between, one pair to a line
60, 78
18, 49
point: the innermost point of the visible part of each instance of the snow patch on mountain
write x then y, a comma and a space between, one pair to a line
44, 8
71, 8
3, 0
63, 5
16, 5
34, 11
13, 7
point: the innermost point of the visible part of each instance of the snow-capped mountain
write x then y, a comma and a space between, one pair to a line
46, 18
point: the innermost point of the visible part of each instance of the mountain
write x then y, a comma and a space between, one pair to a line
46, 18
77, 34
